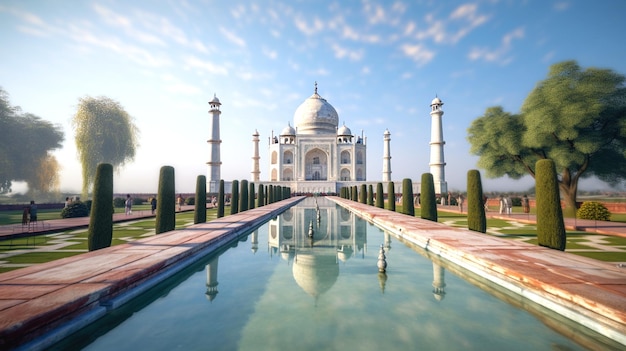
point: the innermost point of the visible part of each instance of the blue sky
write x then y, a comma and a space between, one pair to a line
379, 63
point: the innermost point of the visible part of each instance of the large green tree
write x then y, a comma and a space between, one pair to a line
575, 117
25, 144
105, 132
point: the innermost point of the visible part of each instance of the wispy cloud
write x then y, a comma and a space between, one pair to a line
418, 53
459, 24
307, 28
341, 52
272, 54
125, 23
83, 35
29, 23
498, 54
204, 65
232, 37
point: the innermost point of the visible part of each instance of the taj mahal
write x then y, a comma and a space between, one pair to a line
316, 155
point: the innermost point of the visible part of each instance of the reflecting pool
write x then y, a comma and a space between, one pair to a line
308, 280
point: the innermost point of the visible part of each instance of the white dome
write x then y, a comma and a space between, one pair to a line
215, 100
316, 116
344, 131
288, 130
436, 101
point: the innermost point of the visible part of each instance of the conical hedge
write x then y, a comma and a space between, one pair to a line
550, 227
428, 198
199, 214
101, 218
476, 218
166, 201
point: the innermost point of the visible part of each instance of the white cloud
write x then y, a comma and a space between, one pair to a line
375, 13
272, 54
206, 66
498, 54
341, 52
459, 24
82, 35
418, 53
120, 21
309, 29
232, 37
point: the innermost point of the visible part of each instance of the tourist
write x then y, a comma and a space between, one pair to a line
503, 204
32, 209
485, 203
460, 200
128, 204
525, 204
179, 201
509, 205
153, 204
67, 202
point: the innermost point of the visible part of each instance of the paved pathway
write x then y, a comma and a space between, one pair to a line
9, 231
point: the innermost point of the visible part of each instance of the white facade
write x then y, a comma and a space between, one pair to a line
437, 162
316, 155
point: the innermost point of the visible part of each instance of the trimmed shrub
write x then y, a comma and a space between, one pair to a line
234, 199
138, 200
220, 200
166, 201
408, 208
429, 202
251, 195
355, 193
243, 195
199, 214
391, 196
75, 209
380, 197
100, 231
550, 227
363, 194
260, 201
593, 210
191, 201
476, 218
270, 194
370, 195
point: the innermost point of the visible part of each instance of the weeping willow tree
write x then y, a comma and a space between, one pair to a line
105, 133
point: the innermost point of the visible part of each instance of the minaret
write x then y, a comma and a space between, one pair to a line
437, 163
256, 171
387, 157
211, 279
214, 175
439, 282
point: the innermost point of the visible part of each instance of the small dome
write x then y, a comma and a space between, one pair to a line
215, 100
344, 131
387, 132
288, 130
436, 101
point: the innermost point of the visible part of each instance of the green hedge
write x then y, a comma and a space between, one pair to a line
100, 232
550, 226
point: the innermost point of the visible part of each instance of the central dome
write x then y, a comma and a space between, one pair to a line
316, 116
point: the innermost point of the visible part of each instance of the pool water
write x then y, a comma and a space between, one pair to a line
279, 289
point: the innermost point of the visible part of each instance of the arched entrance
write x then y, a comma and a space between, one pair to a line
316, 165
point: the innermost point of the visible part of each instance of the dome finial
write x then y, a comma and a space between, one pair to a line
315, 87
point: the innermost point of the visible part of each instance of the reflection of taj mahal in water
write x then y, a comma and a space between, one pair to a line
316, 155
338, 236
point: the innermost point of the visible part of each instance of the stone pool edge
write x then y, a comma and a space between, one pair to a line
589, 292
42, 304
